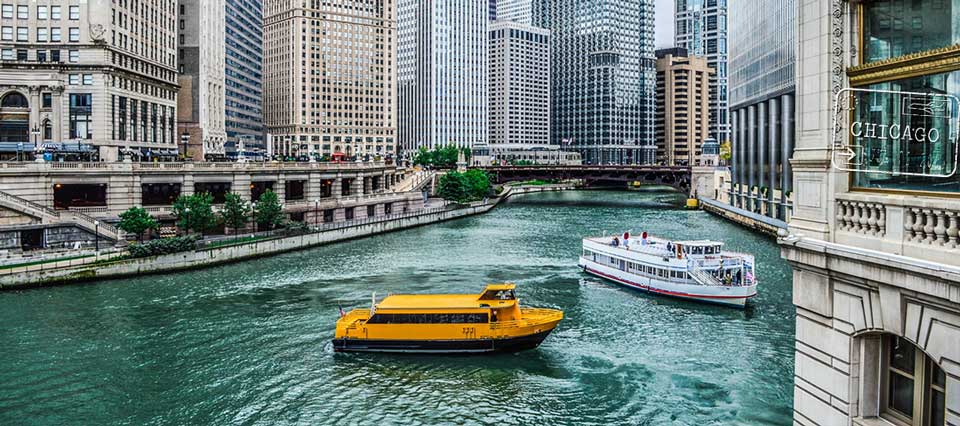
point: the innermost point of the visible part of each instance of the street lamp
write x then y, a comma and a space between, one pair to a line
316, 211
36, 143
186, 219
253, 215
96, 232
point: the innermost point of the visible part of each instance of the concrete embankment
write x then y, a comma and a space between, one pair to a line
57, 273
743, 217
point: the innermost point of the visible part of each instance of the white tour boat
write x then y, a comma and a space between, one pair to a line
696, 270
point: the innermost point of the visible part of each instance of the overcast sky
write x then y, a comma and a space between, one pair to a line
664, 24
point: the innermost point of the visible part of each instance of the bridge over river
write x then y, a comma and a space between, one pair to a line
678, 177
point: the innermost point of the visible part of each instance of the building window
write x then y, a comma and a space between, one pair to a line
74, 79
23, 12
54, 12
55, 34
74, 35
81, 110
7, 11
42, 34
47, 130
21, 54
23, 34
6, 33
55, 55
74, 56
41, 12
46, 100
74, 13
894, 28
914, 387
41, 56
7, 54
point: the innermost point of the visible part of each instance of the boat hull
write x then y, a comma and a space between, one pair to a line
464, 346
726, 296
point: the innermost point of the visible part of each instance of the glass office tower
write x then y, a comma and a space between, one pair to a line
762, 84
443, 71
701, 28
604, 76
244, 78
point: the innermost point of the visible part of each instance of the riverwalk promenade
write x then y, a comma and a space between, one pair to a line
116, 264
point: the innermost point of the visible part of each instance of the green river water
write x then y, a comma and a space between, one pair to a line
249, 343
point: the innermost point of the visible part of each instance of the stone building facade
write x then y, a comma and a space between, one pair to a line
330, 77
683, 107
873, 240
37, 200
201, 50
95, 78
519, 86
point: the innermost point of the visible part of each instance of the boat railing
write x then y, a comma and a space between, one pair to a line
532, 316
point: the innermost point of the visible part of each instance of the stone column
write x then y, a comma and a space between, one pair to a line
774, 142
734, 157
786, 127
337, 189
279, 188
312, 190
744, 131
740, 153
750, 157
187, 188
761, 155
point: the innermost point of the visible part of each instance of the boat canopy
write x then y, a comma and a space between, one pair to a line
502, 294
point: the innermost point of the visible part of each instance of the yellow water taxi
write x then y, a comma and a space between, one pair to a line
492, 321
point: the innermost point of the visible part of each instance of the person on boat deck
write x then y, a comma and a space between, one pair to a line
643, 238
626, 240
669, 246
615, 242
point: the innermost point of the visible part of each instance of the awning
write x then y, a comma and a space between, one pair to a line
16, 147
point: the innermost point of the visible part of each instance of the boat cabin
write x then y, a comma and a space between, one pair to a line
497, 303
701, 248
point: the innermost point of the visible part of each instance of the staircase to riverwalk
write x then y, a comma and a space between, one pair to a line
415, 181
50, 216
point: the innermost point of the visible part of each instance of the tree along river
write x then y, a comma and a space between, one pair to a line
249, 343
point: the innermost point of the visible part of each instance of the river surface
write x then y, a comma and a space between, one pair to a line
249, 343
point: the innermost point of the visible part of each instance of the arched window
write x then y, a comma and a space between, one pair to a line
47, 130
913, 391
14, 100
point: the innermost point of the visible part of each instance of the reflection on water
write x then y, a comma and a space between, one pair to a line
250, 343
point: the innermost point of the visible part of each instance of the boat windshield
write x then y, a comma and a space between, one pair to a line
498, 295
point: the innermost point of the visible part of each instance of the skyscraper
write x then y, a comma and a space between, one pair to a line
701, 28
244, 76
683, 106
762, 84
520, 11
603, 75
519, 86
443, 73
329, 77
201, 98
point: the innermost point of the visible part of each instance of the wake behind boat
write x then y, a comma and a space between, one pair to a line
694, 270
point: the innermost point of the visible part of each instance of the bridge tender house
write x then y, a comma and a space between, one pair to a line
905, 143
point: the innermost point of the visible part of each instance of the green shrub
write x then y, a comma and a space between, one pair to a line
164, 246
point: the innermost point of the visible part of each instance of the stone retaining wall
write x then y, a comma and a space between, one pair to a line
227, 254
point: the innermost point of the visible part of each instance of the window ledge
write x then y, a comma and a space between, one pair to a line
872, 421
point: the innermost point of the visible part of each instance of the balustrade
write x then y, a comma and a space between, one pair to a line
862, 217
931, 226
